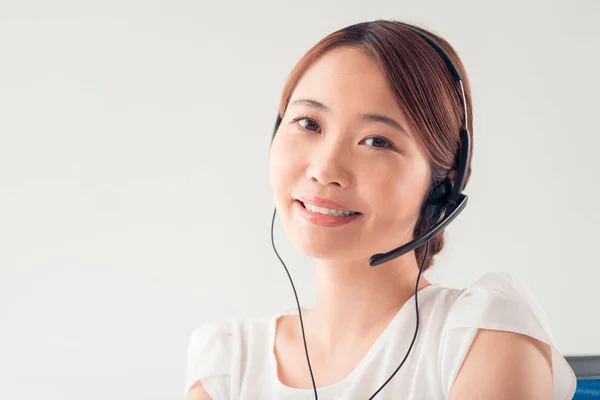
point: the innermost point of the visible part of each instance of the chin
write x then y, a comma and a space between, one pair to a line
323, 247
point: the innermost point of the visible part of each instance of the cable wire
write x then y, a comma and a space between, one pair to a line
302, 323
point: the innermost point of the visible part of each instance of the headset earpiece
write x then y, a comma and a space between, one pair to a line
437, 201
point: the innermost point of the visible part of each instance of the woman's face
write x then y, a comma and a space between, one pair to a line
338, 151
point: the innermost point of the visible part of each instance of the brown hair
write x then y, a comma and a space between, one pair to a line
423, 86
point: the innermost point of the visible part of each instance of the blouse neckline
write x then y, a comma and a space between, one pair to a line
342, 385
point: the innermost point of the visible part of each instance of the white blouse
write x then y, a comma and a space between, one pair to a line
234, 359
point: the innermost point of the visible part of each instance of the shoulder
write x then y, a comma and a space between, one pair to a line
209, 356
211, 335
216, 348
496, 332
497, 299
503, 365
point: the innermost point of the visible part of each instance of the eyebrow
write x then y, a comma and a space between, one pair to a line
365, 117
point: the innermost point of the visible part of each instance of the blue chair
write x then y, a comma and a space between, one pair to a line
587, 371
587, 389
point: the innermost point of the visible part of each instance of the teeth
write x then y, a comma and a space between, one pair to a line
327, 211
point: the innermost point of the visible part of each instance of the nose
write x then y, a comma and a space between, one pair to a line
329, 165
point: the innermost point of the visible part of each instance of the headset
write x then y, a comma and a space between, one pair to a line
445, 198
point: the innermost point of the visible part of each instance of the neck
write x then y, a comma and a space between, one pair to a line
355, 300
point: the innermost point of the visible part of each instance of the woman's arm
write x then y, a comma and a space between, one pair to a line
197, 392
503, 365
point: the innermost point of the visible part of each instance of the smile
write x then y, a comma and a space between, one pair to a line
328, 211
325, 217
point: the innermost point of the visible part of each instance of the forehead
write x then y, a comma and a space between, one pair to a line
347, 79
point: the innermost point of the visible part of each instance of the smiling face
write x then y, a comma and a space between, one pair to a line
343, 138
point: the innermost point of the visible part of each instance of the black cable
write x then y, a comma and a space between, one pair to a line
298, 303
302, 324
416, 327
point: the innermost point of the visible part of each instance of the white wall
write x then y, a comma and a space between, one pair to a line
134, 193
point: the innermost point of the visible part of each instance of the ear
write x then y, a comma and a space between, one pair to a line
452, 175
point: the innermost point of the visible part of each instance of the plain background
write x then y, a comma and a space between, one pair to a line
134, 195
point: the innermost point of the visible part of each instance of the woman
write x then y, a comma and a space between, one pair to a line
370, 123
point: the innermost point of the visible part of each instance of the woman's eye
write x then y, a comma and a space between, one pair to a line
378, 142
375, 142
310, 123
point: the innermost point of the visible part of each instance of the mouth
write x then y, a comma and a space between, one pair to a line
327, 211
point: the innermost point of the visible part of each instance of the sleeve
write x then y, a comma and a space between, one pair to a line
496, 301
209, 359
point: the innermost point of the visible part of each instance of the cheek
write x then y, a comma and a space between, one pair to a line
396, 193
281, 170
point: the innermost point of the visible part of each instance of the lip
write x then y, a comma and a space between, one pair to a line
320, 219
325, 203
